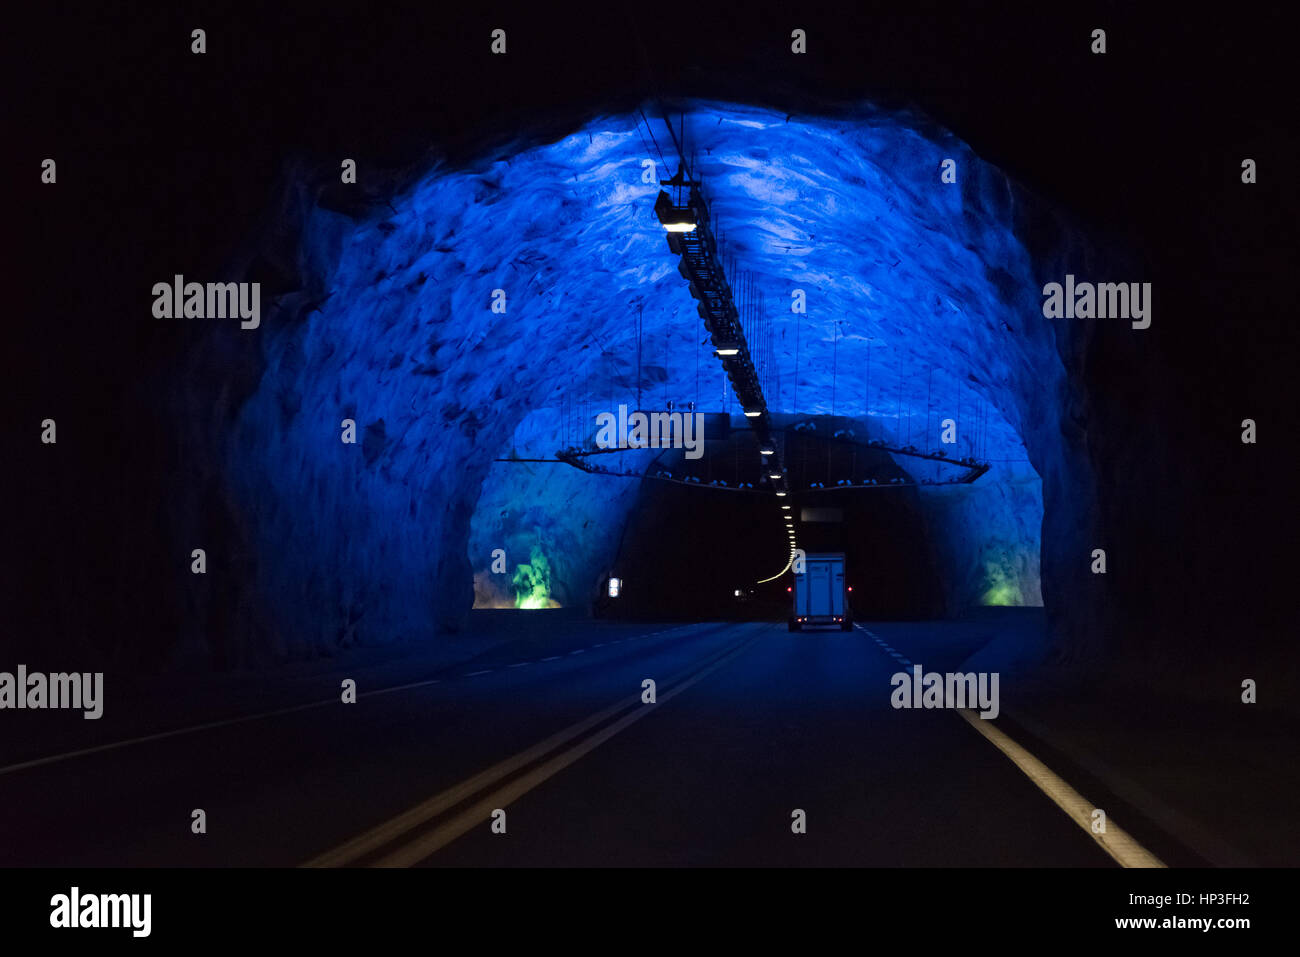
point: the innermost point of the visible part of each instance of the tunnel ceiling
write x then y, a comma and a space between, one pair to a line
927, 277
403, 338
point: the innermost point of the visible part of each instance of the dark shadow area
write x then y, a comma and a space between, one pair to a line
687, 551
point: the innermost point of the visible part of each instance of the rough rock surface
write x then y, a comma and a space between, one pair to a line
923, 303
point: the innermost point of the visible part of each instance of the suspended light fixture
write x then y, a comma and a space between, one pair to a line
675, 219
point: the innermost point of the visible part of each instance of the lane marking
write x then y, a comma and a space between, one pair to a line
379, 691
578, 652
520, 664
392, 829
474, 674
1203, 842
428, 844
1116, 842
221, 723
206, 726
37, 762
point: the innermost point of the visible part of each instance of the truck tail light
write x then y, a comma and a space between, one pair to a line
789, 588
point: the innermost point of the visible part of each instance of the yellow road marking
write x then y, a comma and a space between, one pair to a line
428, 844
408, 820
1116, 842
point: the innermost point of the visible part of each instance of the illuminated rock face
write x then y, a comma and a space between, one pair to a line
986, 540
393, 326
568, 517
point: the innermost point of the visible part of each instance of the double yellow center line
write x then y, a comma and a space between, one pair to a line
408, 838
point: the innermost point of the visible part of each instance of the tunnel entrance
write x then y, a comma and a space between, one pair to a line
706, 537
712, 540
703, 553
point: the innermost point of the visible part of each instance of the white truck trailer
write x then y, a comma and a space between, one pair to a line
820, 593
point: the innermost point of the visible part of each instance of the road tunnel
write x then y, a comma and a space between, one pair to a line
473, 477
481, 320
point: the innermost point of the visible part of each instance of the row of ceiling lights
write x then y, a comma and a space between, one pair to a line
683, 219
680, 220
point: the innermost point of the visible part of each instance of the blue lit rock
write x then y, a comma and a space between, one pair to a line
391, 325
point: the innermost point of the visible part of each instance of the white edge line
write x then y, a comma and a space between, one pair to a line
206, 726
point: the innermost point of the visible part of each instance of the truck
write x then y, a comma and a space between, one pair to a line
821, 596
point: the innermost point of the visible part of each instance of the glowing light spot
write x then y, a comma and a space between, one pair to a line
532, 583
1002, 590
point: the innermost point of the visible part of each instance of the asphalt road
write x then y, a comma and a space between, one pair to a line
750, 723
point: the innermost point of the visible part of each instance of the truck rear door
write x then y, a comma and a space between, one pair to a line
819, 576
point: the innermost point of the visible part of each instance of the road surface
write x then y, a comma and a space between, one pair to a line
750, 724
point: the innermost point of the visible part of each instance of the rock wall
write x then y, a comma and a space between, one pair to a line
562, 523
986, 539
471, 304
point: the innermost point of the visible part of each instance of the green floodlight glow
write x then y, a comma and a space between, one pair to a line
1003, 589
532, 583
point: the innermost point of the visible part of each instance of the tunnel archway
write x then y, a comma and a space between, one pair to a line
708, 538
397, 328
713, 553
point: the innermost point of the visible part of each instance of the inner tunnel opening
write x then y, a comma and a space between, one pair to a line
708, 538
